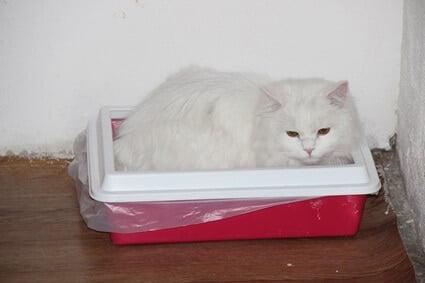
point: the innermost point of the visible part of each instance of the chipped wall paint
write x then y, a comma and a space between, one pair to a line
60, 61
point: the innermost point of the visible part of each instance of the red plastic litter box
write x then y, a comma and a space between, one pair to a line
326, 216
329, 202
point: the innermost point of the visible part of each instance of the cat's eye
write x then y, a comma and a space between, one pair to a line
292, 134
323, 131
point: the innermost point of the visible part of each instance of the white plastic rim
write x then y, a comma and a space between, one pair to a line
109, 185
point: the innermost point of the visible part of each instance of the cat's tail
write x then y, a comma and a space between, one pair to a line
127, 157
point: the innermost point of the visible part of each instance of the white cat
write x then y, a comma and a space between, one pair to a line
200, 118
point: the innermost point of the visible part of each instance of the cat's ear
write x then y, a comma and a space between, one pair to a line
338, 95
274, 101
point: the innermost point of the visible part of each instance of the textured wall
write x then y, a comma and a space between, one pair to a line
411, 125
61, 60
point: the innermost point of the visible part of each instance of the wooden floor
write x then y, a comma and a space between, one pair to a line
43, 239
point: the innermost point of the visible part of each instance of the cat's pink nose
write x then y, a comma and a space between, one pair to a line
309, 150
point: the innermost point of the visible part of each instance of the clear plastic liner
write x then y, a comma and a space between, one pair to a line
131, 217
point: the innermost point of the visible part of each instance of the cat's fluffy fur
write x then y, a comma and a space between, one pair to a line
200, 118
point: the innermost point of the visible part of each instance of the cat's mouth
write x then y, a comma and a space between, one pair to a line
305, 159
311, 160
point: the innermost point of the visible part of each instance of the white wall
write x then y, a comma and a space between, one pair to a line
411, 125
61, 60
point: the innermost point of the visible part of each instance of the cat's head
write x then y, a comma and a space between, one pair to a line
310, 119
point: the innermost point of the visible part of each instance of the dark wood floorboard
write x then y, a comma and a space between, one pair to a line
43, 239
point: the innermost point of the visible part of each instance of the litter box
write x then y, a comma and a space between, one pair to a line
159, 207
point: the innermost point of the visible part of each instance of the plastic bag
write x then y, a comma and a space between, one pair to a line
131, 217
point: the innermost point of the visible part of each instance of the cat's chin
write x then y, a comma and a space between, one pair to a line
310, 161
